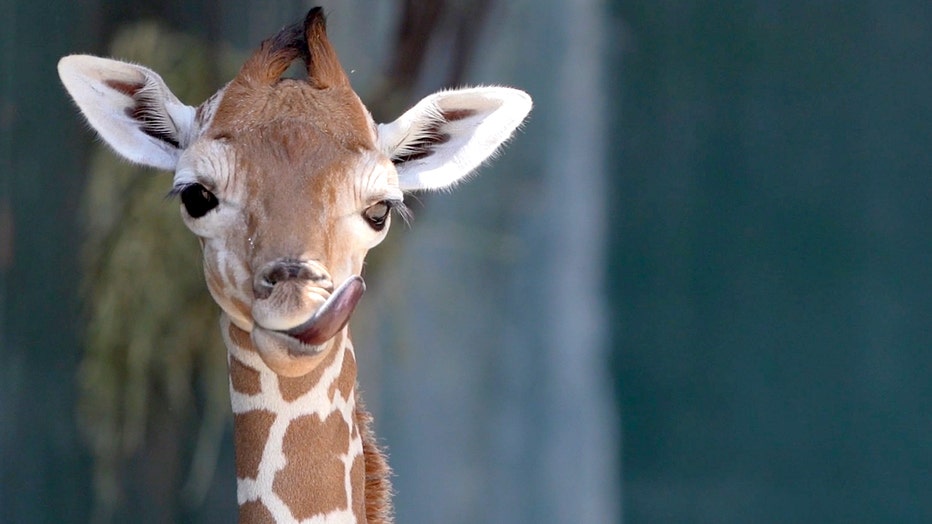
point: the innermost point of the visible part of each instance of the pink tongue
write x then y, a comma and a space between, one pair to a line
332, 316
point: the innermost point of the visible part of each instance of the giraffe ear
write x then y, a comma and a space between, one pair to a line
448, 134
130, 107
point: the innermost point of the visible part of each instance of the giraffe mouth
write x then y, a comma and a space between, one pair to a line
294, 351
332, 316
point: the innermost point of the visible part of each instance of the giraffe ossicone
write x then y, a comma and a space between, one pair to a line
288, 183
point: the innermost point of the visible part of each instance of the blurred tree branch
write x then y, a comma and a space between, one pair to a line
420, 27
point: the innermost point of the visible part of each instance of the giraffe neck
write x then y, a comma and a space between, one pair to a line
303, 446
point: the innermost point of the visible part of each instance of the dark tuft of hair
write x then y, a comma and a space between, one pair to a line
290, 41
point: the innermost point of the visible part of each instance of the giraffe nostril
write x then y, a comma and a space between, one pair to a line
262, 288
284, 270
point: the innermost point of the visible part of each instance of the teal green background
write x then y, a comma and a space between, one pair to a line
771, 258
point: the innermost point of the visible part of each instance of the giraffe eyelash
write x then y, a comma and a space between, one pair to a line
399, 208
179, 188
176, 190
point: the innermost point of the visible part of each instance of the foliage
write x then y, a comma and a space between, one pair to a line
152, 341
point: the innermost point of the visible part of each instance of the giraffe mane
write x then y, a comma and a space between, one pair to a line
378, 473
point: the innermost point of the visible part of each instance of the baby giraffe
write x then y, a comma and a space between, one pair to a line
288, 184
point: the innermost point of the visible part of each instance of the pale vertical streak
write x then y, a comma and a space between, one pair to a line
11, 371
580, 451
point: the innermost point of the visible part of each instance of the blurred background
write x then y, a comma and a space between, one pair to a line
696, 286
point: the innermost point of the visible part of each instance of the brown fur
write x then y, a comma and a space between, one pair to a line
313, 466
244, 379
250, 434
379, 508
323, 67
255, 512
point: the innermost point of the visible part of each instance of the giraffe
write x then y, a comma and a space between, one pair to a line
287, 184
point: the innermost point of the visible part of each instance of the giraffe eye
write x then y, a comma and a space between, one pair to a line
377, 215
197, 200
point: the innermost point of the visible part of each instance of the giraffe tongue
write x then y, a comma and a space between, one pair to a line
332, 316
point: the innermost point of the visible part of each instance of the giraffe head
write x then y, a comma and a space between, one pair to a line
289, 182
